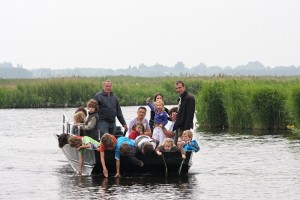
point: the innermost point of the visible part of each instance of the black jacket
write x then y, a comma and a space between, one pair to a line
185, 115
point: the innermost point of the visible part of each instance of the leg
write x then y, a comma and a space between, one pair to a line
103, 127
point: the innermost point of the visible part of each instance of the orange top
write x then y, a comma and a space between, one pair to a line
102, 148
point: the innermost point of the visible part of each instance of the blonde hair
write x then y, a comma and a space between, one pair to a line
168, 141
189, 133
79, 117
73, 140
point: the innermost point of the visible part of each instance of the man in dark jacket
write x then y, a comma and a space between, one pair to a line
186, 110
109, 109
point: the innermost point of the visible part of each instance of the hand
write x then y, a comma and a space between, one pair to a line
148, 99
79, 173
118, 175
159, 153
105, 173
142, 163
183, 156
125, 127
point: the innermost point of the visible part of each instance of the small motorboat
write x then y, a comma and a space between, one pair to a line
169, 164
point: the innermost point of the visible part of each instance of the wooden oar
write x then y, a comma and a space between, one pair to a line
166, 172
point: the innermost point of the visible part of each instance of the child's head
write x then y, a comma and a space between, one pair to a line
147, 148
180, 142
173, 113
75, 141
159, 105
92, 105
139, 127
168, 144
124, 149
63, 139
79, 117
107, 141
187, 135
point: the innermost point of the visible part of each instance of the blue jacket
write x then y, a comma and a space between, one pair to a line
192, 146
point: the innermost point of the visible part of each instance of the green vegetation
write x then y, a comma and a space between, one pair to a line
229, 102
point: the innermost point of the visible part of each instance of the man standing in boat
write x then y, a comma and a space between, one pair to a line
109, 109
186, 109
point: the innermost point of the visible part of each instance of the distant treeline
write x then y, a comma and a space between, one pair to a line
240, 102
7, 70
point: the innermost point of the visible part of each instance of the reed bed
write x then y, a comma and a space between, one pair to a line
221, 102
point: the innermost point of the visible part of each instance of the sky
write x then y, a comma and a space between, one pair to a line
121, 33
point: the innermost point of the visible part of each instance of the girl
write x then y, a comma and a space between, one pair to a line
137, 130
160, 119
169, 146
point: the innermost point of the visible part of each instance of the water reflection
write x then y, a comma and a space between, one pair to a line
126, 187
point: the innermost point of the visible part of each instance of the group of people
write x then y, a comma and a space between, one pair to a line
96, 128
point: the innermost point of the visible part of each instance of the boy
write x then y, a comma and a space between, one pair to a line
125, 147
108, 142
190, 144
82, 143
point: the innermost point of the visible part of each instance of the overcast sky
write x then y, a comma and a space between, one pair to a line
119, 33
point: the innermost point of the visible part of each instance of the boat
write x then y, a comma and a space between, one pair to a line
169, 164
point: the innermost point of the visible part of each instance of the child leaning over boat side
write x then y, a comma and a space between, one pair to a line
108, 142
82, 143
160, 119
125, 147
137, 130
169, 146
189, 143
145, 144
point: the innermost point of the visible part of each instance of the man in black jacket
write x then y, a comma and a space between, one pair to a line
186, 110
109, 109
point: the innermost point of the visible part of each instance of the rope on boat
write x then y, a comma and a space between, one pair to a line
166, 172
179, 170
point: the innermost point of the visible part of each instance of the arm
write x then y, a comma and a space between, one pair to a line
80, 162
102, 158
118, 168
90, 125
190, 111
165, 119
151, 106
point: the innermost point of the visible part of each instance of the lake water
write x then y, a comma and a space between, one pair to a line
229, 165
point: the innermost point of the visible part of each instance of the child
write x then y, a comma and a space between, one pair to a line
180, 142
169, 146
145, 144
79, 119
90, 126
137, 129
190, 144
82, 143
108, 142
125, 147
160, 119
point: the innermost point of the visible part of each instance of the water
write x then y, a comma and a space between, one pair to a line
229, 166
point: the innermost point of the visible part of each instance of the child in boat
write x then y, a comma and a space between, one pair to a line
125, 147
108, 142
82, 143
79, 119
180, 142
145, 144
160, 119
169, 146
90, 126
137, 130
189, 143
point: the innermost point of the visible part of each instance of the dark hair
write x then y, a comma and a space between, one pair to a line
138, 124
180, 82
157, 94
124, 149
143, 108
147, 148
174, 109
63, 139
81, 109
